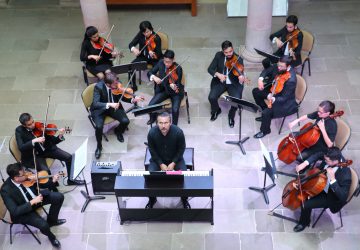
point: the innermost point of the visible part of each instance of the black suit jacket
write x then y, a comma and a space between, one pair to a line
141, 40
218, 65
24, 138
281, 34
160, 71
285, 102
101, 97
15, 201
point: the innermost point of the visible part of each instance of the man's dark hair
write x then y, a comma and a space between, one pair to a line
24, 117
292, 19
90, 31
169, 54
145, 25
110, 78
286, 59
164, 114
226, 44
334, 154
328, 106
13, 170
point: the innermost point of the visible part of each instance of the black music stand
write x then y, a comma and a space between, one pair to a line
130, 67
156, 108
241, 104
273, 58
269, 169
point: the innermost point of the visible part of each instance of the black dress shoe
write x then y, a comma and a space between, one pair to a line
98, 153
215, 115
134, 88
258, 119
55, 243
259, 135
56, 223
231, 122
186, 204
120, 137
299, 228
151, 203
75, 182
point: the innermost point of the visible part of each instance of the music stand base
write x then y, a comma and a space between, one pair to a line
239, 143
264, 191
283, 217
89, 198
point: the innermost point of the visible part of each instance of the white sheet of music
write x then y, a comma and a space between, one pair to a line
80, 158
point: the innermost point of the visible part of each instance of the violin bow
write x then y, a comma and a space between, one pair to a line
175, 69
107, 37
36, 173
127, 85
146, 44
291, 37
46, 115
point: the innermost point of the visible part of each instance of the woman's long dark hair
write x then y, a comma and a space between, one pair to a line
90, 31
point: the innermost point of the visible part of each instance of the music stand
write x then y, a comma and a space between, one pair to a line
156, 108
77, 166
273, 58
241, 104
269, 169
130, 67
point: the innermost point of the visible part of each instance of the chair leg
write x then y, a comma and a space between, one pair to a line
36, 238
86, 80
187, 107
309, 67
318, 217
341, 221
297, 113
105, 137
302, 68
11, 225
282, 123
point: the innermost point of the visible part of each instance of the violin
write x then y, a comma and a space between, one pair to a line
312, 184
279, 85
292, 38
102, 43
127, 92
42, 177
151, 45
236, 67
173, 76
50, 129
292, 145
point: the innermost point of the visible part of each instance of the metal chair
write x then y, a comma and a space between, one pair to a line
307, 46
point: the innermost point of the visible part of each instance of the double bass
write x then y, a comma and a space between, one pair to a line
292, 145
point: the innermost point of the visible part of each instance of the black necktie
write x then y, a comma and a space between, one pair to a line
110, 96
27, 194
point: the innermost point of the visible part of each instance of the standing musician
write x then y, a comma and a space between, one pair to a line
92, 45
149, 47
167, 74
283, 77
22, 202
167, 146
45, 147
105, 103
289, 42
225, 80
327, 126
336, 191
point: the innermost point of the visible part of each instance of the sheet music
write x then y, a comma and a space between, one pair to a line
79, 159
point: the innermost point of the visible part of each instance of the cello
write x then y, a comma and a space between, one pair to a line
292, 145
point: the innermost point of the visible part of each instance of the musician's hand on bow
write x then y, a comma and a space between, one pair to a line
163, 167
295, 185
331, 173
279, 43
138, 99
55, 178
221, 77
301, 166
135, 51
156, 79
36, 200
171, 166
292, 124
241, 78
61, 131
114, 105
95, 57
260, 84
38, 139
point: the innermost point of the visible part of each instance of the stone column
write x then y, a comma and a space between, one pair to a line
258, 29
95, 14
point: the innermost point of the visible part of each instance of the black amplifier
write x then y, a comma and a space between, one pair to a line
103, 176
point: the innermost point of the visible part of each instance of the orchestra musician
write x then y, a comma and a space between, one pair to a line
284, 102
167, 74
22, 202
45, 147
288, 41
327, 126
224, 80
336, 191
167, 145
90, 49
149, 49
105, 103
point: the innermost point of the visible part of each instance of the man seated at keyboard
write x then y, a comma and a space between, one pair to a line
166, 145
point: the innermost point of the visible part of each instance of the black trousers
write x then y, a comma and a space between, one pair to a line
175, 103
55, 200
267, 114
319, 201
141, 58
306, 153
99, 118
217, 88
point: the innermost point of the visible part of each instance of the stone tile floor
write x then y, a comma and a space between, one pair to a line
39, 57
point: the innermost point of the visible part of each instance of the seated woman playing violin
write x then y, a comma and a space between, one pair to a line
336, 190
279, 92
107, 102
288, 41
167, 74
44, 145
97, 53
227, 70
149, 47
324, 119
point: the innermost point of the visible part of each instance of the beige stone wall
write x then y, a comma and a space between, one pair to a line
212, 1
